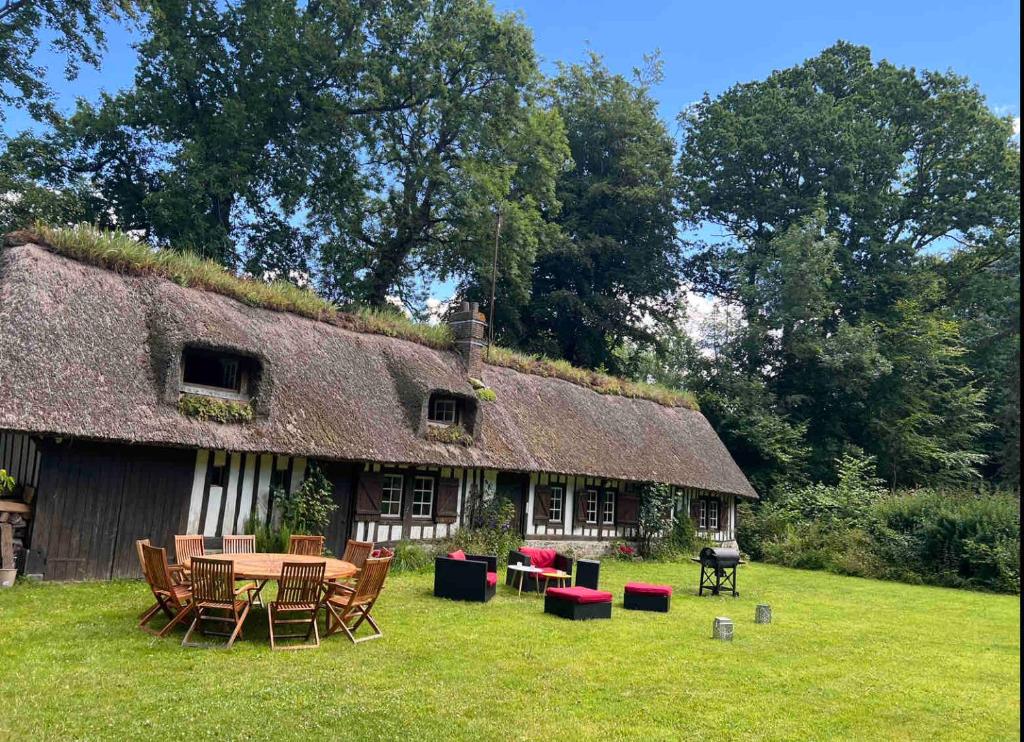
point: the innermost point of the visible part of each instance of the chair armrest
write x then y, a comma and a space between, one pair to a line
490, 559
518, 557
563, 563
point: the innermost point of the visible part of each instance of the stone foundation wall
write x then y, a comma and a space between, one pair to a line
576, 549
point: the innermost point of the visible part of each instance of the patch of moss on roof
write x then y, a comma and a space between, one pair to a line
121, 253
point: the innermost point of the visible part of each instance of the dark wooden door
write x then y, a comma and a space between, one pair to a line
342, 477
95, 499
515, 487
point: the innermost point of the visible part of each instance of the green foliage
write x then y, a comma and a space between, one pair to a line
610, 272
451, 434
486, 395
857, 527
214, 410
491, 531
269, 538
834, 179
75, 29
411, 556
6, 483
309, 508
656, 503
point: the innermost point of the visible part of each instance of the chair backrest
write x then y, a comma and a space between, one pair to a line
306, 545
186, 547
356, 552
139, 543
371, 580
156, 571
213, 580
239, 545
300, 582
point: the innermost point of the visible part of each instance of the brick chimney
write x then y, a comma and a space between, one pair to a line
468, 326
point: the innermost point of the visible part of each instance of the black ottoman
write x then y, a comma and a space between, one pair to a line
578, 603
642, 596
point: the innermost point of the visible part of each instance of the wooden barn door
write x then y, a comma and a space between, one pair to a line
95, 499
342, 477
515, 487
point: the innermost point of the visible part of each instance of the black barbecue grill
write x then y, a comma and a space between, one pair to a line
718, 570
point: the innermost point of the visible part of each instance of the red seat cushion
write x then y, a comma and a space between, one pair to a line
460, 554
492, 579
581, 595
645, 588
540, 557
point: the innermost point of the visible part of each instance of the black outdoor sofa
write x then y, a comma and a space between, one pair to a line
545, 559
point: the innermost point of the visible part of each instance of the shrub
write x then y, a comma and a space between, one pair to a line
269, 538
956, 539
309, 509
411, 557
492, 531
623, 551
656, 502
452, 434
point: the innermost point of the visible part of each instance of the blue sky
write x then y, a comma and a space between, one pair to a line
707, 46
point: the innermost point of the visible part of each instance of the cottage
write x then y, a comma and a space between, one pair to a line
95, 365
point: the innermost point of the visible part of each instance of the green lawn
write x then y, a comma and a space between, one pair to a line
844, 658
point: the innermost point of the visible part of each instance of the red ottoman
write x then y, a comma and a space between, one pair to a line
642, 596
578, 603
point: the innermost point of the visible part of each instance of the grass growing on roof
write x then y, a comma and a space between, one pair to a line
844, 658
119, 252
595, 380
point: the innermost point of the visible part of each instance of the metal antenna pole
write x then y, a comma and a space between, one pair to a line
494, 282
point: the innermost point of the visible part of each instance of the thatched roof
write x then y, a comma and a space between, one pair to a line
88, 352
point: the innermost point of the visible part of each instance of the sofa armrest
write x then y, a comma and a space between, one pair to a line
563, 563
460, 579
490, 559
518, 557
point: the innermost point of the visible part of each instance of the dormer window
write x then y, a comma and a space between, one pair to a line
216, 374
444, 410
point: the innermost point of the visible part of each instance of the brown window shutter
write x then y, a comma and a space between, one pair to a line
694, 507
541, 503
447, 506
581, 504
627, 510
368, 495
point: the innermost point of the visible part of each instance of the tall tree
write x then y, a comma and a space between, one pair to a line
889, 165
610, 275
76, 31
433, 174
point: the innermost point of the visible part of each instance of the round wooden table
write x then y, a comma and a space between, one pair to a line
263, 566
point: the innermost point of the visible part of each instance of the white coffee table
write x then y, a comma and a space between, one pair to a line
521, 571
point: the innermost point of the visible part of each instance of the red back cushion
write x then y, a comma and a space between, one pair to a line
460, 554
540, 557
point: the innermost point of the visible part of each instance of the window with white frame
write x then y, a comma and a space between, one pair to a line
216, 374
555, 507
702, 514
712, 515
423, 497
391, 496
608, 509
443, 410
591, 506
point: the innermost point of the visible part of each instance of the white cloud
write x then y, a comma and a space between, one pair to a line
1016, 126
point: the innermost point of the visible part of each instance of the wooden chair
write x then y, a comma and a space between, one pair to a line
239, 545
356, 552
213, 593
186, 547
176, 576
245, 544
306, 545
345, 607
299, 591
173, 598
